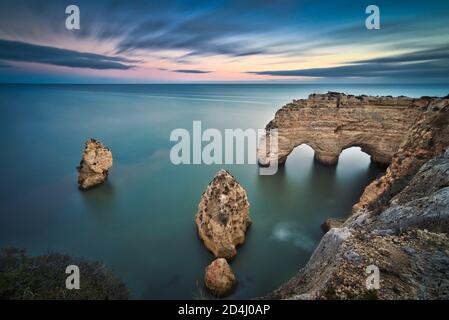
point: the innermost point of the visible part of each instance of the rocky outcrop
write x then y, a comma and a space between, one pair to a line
400, 225
95, 164
332, 223
332, 122
408, 242
427, 138
223, 215
219, 278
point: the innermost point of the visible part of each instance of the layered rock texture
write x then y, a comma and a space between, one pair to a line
332, 122
427, 138
400, 224
223, 215
219, 278
96, 161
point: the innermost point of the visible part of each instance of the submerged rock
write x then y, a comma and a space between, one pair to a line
223, 215
95, 164
219, 278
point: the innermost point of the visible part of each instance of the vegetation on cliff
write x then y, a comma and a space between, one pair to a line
23, 277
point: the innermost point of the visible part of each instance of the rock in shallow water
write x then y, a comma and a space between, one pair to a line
223, 215
95, 164
219, 278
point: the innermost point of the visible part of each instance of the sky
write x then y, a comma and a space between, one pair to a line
218, 41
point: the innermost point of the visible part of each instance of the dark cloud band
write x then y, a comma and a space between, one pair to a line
432, 63
27, 52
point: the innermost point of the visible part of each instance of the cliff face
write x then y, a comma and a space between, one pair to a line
400, 225
332, 122
427, 138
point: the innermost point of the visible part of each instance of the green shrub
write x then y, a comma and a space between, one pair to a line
43, 277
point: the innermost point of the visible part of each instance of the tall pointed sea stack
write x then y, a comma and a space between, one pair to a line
223, 215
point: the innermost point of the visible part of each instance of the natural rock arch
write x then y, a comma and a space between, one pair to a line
330, 123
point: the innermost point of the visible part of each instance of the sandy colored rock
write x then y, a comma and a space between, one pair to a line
427, 138
95, 163
400, 225
223, 215
219, 278
332, 122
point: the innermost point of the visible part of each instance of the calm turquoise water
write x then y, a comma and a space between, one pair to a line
140, 223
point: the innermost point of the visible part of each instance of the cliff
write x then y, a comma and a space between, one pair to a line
401, 222
332, 122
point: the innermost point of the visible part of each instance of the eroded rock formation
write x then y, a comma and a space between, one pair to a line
223, 215
332, 122
219, 278
95, 164
427, 138
400, 225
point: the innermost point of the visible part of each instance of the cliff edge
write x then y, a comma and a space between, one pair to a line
400, 225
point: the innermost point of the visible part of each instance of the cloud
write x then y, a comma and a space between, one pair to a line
191, 71
27, 52
185, 33
431, 63
438, 53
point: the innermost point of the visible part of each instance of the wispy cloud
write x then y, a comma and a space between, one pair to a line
27, 52
191, 71
3, 65
425, 63
295, 38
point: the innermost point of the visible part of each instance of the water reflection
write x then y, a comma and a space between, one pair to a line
100, 201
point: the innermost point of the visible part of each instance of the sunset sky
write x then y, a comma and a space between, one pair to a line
185, 41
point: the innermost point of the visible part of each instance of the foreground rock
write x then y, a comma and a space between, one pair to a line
400, 225
223, 215
95, 164
219, 278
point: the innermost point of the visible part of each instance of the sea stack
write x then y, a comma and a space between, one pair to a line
219, 278
96, 161
223, 215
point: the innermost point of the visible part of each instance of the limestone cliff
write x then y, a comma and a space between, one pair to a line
223, 215
95, 164
400, 224
332, 122
428, 137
